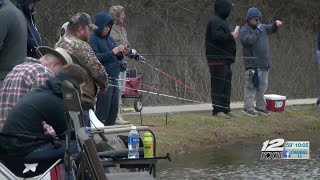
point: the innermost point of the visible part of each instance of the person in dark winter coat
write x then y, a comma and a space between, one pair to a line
257, 60
220, 53
318, 60
42, 104
318, 48
13, 38
34, 40
318, 44
110, 56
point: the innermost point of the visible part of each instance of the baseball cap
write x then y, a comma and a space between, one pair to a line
82, 18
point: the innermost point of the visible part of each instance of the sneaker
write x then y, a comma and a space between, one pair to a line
121, 122
263, 111
222, 115
249, 112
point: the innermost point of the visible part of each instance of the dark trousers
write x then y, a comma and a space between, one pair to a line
107, 104
86, 118
47, 151
221, 76
1, 82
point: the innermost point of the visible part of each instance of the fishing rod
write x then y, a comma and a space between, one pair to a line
169, 96
169, 76
144, 83
196, 55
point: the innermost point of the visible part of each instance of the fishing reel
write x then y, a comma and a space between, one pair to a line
133, 54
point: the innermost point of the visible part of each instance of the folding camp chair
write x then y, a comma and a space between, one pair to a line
16, 168
92, 161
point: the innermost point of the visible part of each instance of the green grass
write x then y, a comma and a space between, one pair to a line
189, 131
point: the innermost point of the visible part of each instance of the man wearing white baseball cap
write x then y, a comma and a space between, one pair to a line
28, 75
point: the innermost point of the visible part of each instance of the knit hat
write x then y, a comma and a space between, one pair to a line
253, 13
115, 12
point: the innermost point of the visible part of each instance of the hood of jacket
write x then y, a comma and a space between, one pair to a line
23, 5
223, 8
2, 2
55, 84
101, 20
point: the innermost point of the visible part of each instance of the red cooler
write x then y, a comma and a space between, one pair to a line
275, 103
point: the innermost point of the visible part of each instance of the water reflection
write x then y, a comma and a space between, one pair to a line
241, 160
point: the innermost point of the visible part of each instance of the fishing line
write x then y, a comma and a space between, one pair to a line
169, 96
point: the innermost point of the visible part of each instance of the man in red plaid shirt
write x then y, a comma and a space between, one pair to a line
30, 74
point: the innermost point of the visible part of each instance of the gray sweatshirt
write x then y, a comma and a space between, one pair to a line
13, 37
255, 45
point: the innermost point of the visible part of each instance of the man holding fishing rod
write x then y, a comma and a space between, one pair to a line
257, 60
75, 41
110, 54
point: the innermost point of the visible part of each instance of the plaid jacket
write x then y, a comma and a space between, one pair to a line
19, 81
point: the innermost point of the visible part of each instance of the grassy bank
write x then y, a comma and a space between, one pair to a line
189, 131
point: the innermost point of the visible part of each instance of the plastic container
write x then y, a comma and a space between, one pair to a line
133, 143
275, 103
236, 29
148, 145
50, 132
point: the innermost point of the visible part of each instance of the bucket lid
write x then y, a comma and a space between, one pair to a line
274, 97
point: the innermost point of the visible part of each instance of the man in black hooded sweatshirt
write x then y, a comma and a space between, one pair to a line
318, 60
220, 52
34, 40
42, 104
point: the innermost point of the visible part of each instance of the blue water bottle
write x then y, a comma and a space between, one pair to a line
133, 143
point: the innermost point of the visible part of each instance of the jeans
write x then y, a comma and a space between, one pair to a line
47, 151
122, 84
107, 104
252, 94
221, 76
122, 81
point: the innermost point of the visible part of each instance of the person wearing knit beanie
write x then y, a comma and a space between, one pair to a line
257, 60
253, 13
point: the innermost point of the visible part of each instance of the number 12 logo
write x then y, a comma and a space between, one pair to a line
273, 145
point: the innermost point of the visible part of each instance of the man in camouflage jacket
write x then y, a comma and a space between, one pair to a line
75, 41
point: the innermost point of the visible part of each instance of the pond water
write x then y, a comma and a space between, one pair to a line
241, 160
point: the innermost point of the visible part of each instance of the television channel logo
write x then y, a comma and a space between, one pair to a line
281, 149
